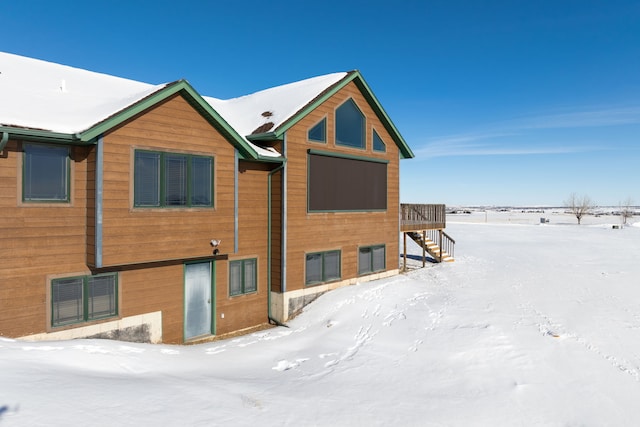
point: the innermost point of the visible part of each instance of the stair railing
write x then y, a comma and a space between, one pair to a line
447, 244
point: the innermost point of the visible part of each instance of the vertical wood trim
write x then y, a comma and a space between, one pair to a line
99, 200
214, 299
235, 200
404, 268
424, 250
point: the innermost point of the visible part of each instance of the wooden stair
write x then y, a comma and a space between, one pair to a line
430, 247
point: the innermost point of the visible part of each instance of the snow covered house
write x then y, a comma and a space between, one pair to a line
151, 213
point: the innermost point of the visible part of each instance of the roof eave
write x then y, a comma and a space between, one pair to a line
195, 100
267, 136
42, 135
352, 76
270, 159
405, 150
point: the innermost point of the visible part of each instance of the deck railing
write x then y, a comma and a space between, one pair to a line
444, 241
422, 217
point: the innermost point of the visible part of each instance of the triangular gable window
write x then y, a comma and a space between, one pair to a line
378, 143
318, 133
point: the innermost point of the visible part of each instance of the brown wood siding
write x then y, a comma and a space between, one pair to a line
142, 234
91, 207
337, 230
276, 232
156, 289
37, 240
243, 311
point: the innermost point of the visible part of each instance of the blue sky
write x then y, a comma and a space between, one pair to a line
504, 102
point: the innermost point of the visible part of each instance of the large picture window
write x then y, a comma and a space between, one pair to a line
172, 180
84, 298
371, 259
346, 184
243, 277
350, 124
322, 267
45, 173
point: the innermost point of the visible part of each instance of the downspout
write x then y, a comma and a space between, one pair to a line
283, 255
236, 172
400, 233
4, 140
99, 199
269, 254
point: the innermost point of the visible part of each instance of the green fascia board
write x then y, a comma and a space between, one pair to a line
357, 78
405, 150
194, 99
270, 159
346, 156
37, 135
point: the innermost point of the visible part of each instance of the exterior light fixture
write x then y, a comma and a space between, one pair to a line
215, 243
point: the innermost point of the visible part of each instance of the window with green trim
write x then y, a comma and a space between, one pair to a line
172, 180
378, 143
318, 133
322, 267
350, 124
371, 259
45, 173
83, 298
243, 276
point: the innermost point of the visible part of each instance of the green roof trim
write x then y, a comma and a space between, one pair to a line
37, 135
183, 88
346, 156
352, 76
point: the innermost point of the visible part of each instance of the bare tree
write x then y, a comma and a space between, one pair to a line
579, 206
625, 210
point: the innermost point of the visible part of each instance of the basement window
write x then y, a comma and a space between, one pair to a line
243, 277
322, 267
371, 259
46, 172
83, 298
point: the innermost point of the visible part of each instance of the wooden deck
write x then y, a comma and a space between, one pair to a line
415, 217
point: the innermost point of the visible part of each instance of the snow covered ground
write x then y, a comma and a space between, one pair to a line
533, 325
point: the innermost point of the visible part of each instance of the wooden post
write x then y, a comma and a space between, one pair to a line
440, 244
404, 267
424, 251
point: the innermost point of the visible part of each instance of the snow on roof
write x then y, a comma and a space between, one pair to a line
266, 110
47, 96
